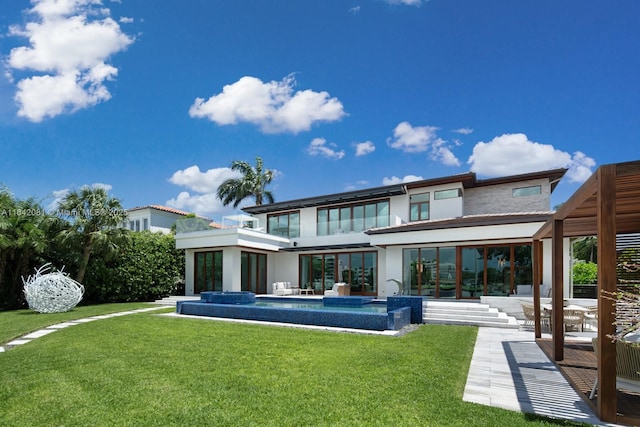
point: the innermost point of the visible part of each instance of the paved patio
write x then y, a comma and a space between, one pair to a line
509, 370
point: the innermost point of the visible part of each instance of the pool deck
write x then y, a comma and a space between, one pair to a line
510, 370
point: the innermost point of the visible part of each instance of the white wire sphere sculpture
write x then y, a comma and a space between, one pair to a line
52, 292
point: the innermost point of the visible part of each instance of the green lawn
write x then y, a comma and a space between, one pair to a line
14, 324
150, 370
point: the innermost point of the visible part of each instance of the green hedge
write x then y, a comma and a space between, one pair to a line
149, 267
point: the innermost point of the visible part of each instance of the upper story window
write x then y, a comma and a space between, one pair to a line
352, 218
447, 194
145, 224
284, 225
419, 207
527, 191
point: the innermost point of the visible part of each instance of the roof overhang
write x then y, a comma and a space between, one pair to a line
465, 221
336, 247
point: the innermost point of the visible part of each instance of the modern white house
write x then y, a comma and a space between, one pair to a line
453, 237
152, 217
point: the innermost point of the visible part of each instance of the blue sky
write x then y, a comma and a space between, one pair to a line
154, 100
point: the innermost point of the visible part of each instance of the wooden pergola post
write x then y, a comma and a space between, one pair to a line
537, 279
607, 282
557, 289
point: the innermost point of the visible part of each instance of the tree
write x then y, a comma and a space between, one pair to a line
586, 249
23, 240
251, 184
96, 218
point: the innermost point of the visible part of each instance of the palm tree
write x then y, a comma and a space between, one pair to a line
252, 184
96, 219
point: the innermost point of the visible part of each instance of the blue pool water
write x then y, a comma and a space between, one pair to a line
310, 305
345, 312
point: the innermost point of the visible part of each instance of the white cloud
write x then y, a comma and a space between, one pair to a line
105, 187
58, 196
463, 131
513, 154
126, 20
364, 148
445, 156
580, 167
201, 197
274, 106
69, 44
319, 146
202, 182
354, 10
418, 139
395, 180
406, 2
201, 204
412, 139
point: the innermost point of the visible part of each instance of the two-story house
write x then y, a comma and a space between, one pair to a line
152, 217
450, 237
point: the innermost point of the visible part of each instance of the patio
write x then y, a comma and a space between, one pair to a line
580, 368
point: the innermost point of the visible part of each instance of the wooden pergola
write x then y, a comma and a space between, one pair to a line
606, 205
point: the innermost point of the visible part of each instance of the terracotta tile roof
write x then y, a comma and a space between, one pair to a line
165, 209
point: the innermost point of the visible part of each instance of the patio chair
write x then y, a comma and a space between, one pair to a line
529, 315
627, 366
591, 317
573, 319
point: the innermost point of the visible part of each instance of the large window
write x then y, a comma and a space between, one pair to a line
254, 272
358, 269
430, 271
208, 271
352, 218
284, 225
467, 272
419, 207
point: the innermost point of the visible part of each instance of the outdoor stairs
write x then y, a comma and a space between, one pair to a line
466, 313
171, 300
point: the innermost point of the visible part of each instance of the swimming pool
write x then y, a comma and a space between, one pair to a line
346, 312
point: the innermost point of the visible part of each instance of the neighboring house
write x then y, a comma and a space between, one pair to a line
152, 217
450, 237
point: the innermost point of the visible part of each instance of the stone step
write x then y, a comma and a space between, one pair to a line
472, 323
501, 318
466, 313
489, 313
171, 300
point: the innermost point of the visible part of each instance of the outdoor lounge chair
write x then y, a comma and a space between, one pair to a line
282, 289
338, 289
627, 366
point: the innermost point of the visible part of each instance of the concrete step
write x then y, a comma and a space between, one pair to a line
171, 300
500, 317
466, 313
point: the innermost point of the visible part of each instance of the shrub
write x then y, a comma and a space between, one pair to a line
149, 267
585, 273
